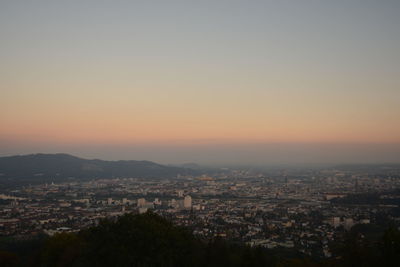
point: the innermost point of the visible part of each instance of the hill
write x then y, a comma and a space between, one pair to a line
60, 167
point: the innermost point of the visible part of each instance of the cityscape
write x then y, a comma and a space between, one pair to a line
304, 210
210, 133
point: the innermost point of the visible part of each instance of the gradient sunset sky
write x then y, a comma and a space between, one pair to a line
204, 81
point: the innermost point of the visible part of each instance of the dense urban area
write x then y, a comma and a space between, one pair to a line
304, 210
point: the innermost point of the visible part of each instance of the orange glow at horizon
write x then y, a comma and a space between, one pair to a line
112, 131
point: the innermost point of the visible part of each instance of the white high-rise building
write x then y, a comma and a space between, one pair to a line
335, 221
348, 223
141, 202
187, 202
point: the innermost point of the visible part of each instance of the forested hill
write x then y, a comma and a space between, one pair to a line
59, 167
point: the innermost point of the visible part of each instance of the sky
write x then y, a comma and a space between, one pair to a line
252, 82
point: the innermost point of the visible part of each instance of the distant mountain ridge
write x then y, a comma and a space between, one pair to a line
57, 167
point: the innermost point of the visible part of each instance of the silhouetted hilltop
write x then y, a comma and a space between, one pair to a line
57, 167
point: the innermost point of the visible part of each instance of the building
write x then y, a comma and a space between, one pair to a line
187, 202
141, 202
348, 223
335, 221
